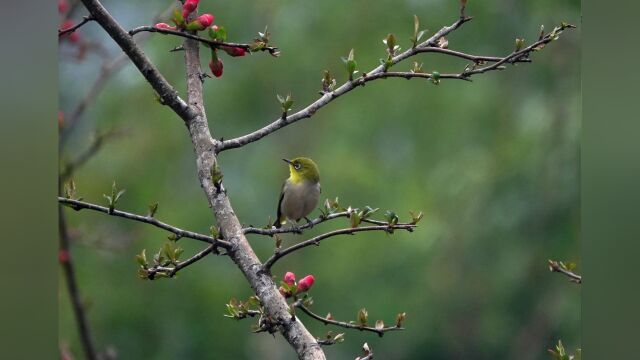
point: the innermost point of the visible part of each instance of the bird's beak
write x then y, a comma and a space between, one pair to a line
287, 161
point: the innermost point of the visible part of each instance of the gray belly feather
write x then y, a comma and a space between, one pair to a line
299, 199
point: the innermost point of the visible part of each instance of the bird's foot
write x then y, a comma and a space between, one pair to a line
309, 222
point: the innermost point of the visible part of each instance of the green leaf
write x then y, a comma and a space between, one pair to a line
177, 252
415, 218
219, 34
216, 173
177, 17
390, 41
153, 208
354, 220
363, 316
142, 258
519, 44
214, 231
391, 217
168, 251
253, 300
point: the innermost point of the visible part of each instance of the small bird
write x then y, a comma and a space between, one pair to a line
300, 192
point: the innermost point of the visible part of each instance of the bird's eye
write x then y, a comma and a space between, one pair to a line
297, 166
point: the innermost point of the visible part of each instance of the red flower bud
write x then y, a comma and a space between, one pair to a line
216, 67
305, 283
63, 256
284, 292
290, 278
74, 36
164, 26
205, 20
234, 51
62, 6
188, 7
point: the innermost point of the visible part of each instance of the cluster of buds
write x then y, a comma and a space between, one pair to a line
203, 22
290, 288
73, 37
181, 16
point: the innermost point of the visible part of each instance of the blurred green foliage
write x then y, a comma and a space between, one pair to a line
493, 164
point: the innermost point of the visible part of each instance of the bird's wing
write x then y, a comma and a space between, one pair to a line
278, 222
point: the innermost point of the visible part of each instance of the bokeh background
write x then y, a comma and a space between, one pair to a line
493, 164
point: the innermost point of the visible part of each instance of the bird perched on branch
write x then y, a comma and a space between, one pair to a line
300, 192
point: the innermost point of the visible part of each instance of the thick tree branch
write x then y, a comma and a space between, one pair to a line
168, 95
241, 253
68, 270
79, 205
85, 19
214, 43
324, 320
279, 254
555, 266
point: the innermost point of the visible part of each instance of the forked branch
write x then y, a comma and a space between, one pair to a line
213, 43
381, 72
347, 325
279, 254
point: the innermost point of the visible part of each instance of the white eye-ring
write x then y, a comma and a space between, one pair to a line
296, 166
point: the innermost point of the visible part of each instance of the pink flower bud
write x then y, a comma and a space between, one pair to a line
234, 51
284, 292
305, 283
62, 6
188, 7
216, 67
290, 278
164, 26
205, 20
215, 28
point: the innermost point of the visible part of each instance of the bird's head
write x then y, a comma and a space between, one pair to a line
302, 168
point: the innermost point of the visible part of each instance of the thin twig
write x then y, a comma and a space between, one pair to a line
79, 205
278, 254
214, 43
85, 19
319, 220
344, 324
172, 271
555, 266
474, 58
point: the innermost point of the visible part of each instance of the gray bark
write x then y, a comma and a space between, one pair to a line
204, 146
